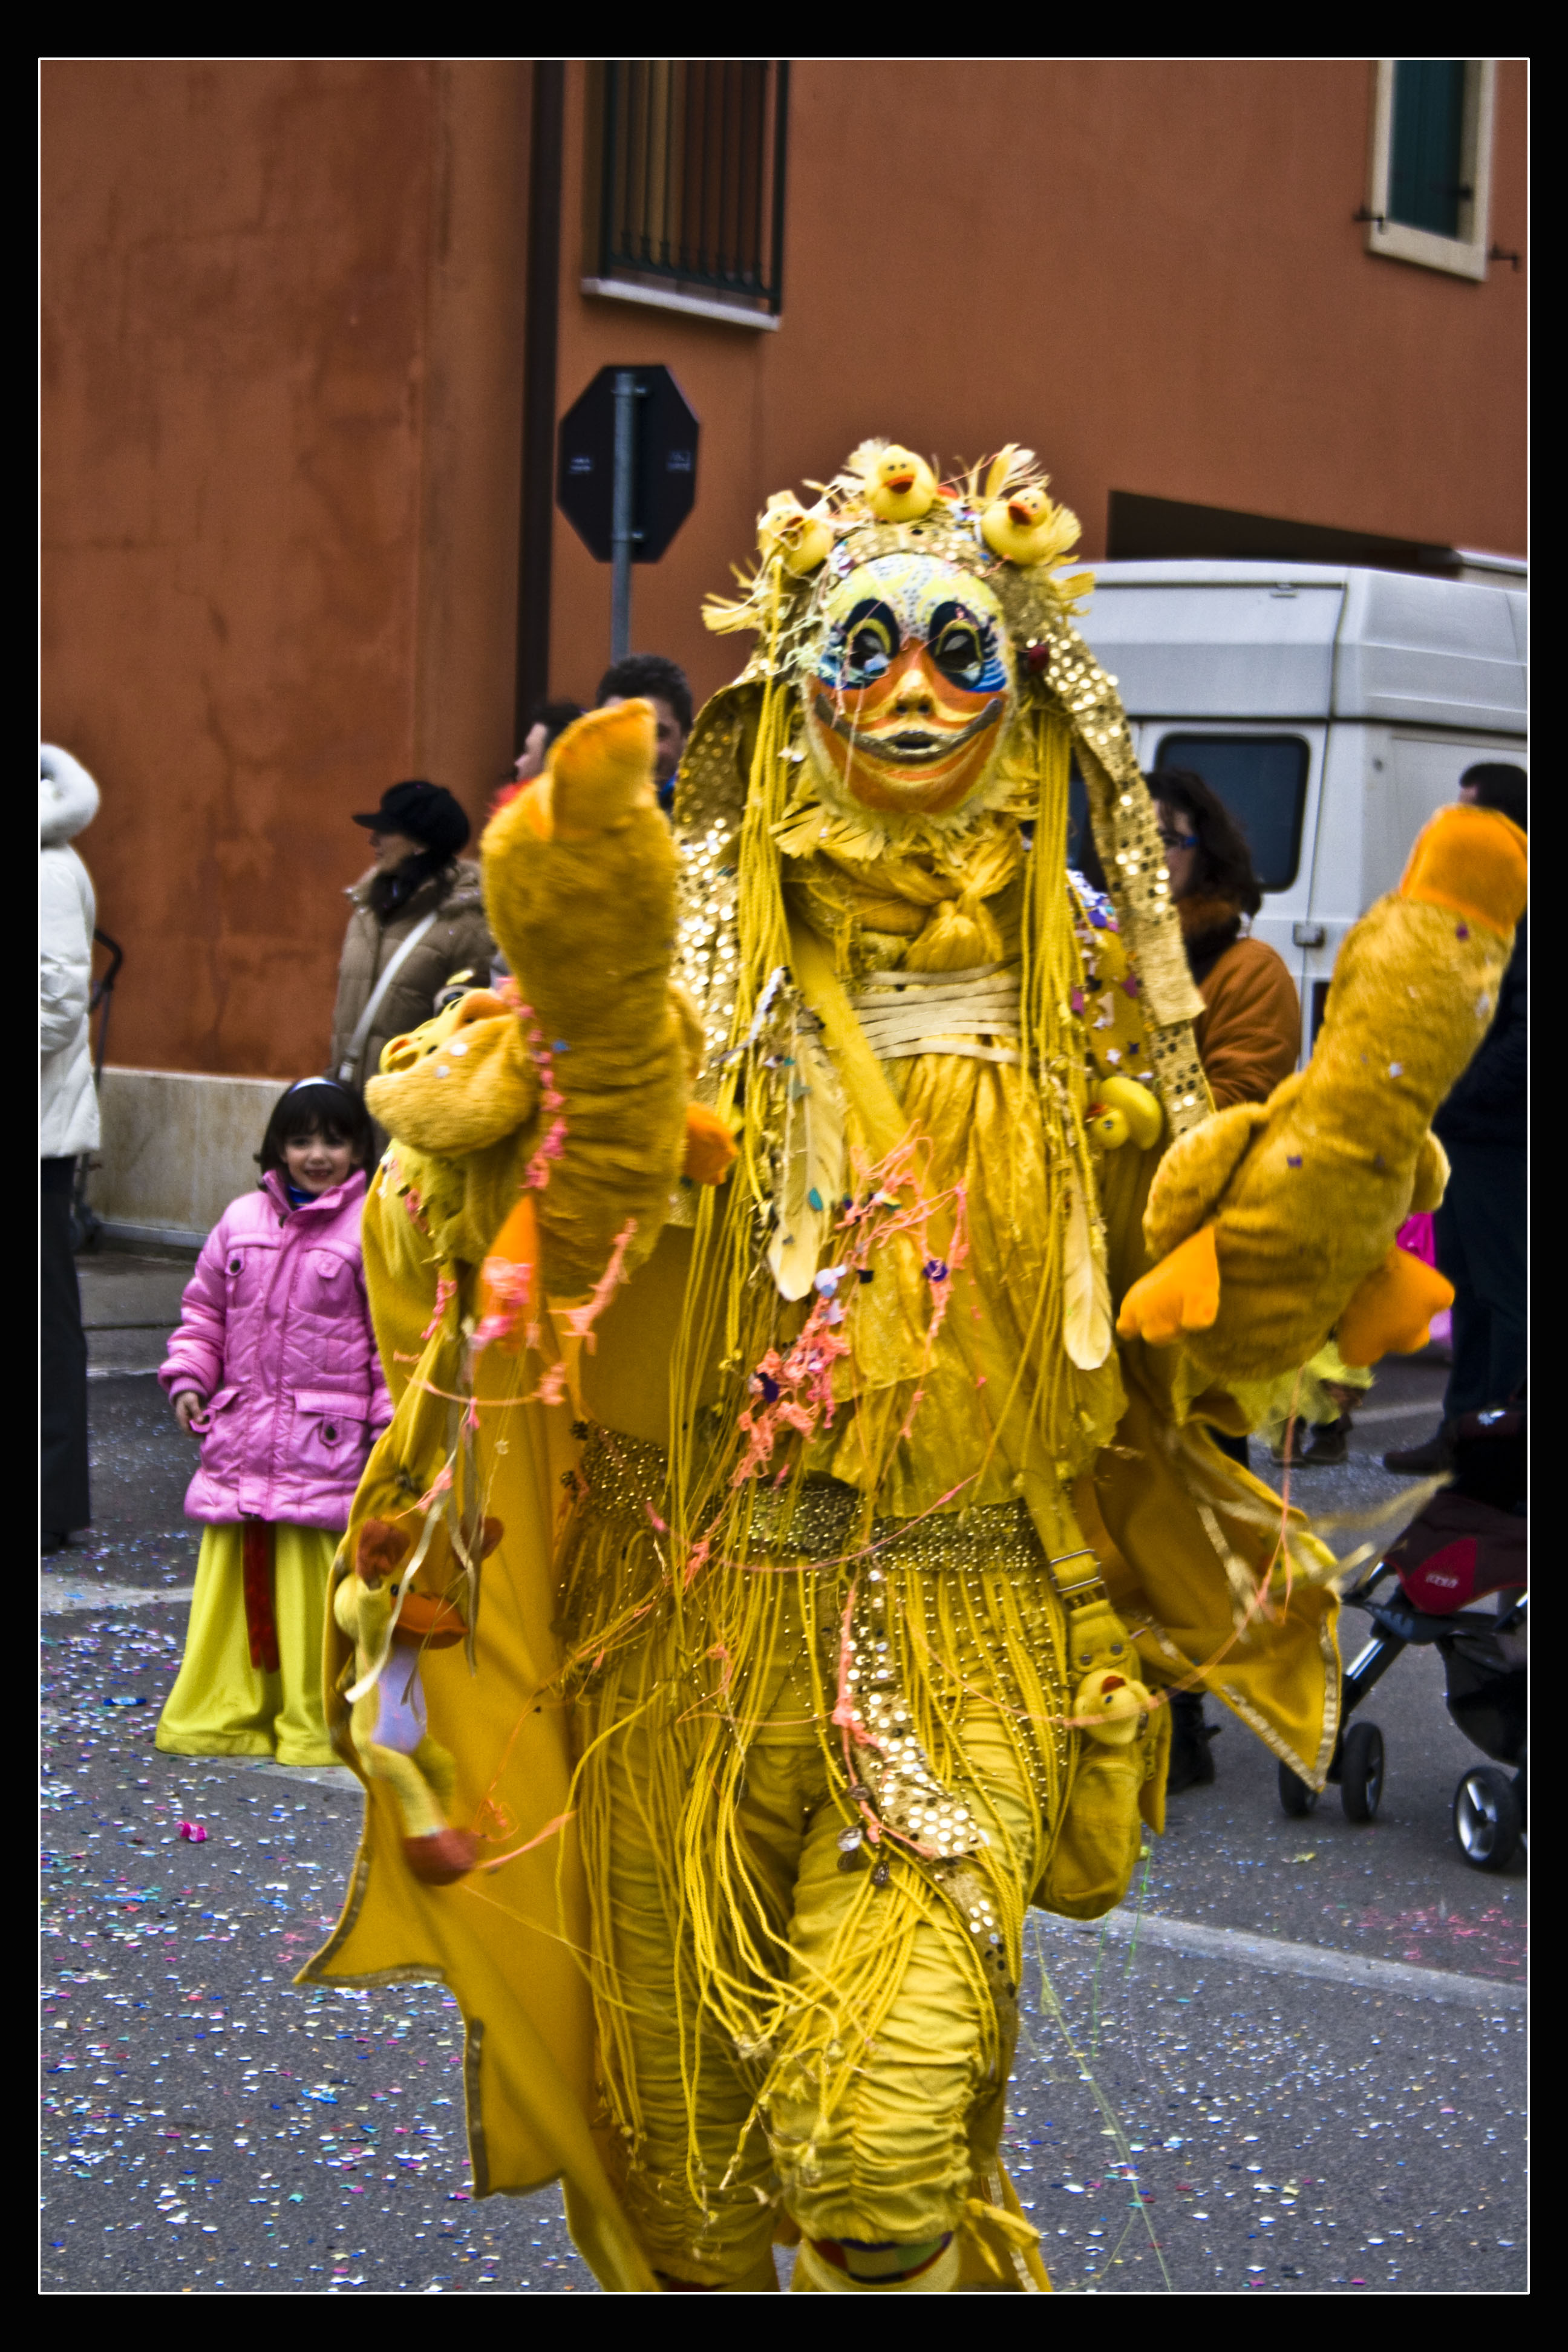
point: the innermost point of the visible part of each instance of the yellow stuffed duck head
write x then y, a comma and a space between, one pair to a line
1109, 1707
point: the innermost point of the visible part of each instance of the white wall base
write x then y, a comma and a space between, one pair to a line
178, 1146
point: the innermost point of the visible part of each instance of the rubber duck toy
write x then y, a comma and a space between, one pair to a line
1123, 1110
1107, 1706
1025, 527
799, 539
899, 486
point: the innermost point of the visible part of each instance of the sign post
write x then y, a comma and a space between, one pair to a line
627, 476
623, 534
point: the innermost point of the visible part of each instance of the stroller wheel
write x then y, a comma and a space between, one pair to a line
1361, 1773
1295, 1797
1487, 1820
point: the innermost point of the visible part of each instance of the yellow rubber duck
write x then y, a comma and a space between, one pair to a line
785, 529
1108, 1707
901, 487
1124, 1110
1026, 527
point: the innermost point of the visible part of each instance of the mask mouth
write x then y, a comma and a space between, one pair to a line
912, 746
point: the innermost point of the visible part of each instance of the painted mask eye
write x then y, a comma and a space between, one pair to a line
869, 644
963, 647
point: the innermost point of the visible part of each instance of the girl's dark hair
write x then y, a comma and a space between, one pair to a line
1224, 861
315, 1106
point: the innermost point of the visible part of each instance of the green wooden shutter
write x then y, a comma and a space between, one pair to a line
1425, 175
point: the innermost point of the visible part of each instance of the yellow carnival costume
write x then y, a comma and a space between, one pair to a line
834, 1545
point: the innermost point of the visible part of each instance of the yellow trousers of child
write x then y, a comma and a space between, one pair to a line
221, 1704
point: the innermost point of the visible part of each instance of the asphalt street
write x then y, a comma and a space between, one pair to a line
1219, 2090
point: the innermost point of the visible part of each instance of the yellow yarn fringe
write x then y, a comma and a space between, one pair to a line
767, 1654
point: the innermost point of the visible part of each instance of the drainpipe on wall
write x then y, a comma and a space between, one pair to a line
544, 306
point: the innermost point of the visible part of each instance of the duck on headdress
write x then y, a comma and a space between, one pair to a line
801, 539
899, 486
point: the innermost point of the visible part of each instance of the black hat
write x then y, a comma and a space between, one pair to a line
425, 813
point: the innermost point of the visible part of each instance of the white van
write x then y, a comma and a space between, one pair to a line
1331, 708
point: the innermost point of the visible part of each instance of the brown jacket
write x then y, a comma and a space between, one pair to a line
458, 941
1249, 1036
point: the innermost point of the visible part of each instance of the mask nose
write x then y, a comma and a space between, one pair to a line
914, 693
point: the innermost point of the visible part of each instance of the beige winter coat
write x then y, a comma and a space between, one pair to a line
458, 941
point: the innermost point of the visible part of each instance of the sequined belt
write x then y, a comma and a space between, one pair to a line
627, 1478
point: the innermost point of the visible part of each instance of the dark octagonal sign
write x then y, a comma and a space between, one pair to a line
665, 465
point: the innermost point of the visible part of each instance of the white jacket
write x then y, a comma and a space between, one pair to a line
67, 1110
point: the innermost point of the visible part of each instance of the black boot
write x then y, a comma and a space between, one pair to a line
1423, 1461
1330, 1441
1191, 1766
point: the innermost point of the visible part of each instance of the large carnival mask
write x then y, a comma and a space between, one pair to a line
911, 690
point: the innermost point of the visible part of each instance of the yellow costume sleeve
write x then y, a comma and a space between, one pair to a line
1303, 1216
586, 1086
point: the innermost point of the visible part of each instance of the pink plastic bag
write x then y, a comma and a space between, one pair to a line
1415, 1236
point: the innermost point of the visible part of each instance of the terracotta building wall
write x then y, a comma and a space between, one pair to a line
283, 373
282, 368
1147, 272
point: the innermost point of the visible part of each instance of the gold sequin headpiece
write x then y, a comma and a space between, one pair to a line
994, 521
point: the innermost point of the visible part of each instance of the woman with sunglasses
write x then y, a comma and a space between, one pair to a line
1250, 1033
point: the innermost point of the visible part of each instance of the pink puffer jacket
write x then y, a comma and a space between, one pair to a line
276, 1334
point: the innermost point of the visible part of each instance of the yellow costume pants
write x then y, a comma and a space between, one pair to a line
221, 1704
875, 2112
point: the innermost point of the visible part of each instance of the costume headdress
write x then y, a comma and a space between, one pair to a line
748, 759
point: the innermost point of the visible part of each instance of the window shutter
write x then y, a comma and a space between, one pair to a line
1426, 186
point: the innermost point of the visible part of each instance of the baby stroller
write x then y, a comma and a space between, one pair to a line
1467, 1546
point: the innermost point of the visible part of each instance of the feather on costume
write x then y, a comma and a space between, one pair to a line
843, 1550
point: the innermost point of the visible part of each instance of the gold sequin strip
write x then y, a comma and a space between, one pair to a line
1127, 836
709, 802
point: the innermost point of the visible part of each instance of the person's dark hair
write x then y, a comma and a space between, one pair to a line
1498, 784
1224, 861
554, 717
650, 674
315, 1106
422, 812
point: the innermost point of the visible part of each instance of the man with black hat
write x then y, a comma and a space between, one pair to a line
418, 920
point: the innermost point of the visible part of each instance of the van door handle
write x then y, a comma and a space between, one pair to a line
1308, 935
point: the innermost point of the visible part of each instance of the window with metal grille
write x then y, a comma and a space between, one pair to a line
692, 190
1426, 182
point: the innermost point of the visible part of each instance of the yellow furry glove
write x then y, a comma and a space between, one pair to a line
579, 876
1275, 1222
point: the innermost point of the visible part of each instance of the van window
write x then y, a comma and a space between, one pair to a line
1262, 780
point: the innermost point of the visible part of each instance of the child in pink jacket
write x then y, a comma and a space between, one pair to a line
274, 1368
